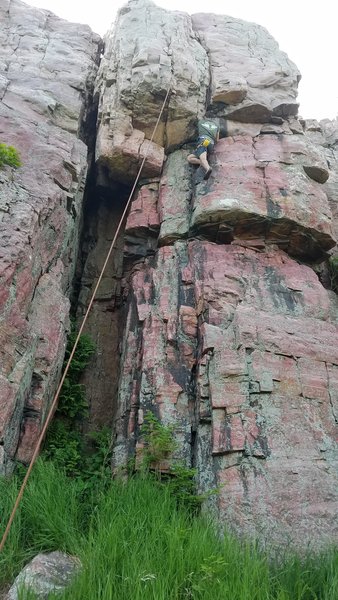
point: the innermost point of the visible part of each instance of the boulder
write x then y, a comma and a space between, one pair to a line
144, 57
45, 574
251, 78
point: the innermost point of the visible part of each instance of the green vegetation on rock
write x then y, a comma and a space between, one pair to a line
333, 270
159, 441
65, 445
9, 156
72, 401
159, 446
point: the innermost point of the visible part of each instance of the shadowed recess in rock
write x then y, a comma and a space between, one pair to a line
103, 211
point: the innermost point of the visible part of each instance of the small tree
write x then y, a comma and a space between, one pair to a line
9, 156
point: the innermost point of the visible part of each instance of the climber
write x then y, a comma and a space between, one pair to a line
208, 135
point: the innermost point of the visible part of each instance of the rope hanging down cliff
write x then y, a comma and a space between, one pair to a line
55, 399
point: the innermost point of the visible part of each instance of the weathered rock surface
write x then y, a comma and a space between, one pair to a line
325, 136
148, 51
234, 343
45, 574
151, 50
249, 73
238, 349
48, 67
266, 186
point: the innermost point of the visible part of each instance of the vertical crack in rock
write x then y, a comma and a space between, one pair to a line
332, 387
104, 208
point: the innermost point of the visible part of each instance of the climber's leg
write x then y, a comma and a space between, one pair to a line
205, 165
193, 160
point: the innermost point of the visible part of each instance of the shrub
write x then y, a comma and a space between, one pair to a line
181, 480
159, 441
72, 400
333, 270
9, 156
64, 444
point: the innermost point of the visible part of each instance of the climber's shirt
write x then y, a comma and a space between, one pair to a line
207, 136
208, 130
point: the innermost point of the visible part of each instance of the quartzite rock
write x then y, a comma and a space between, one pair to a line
266, 187
48, 67
262, 187
325, 136
233, 343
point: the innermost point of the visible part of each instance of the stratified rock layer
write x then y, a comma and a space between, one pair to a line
228, 339
261, 188
237, 349
48, 67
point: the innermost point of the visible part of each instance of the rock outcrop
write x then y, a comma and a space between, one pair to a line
45, 574
217, 320
47, 71
249, 73
230, 336
149, 51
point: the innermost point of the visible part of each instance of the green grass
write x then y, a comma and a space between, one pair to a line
136, 544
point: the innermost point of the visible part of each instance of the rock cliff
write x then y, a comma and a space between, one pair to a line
212, 313
47, 72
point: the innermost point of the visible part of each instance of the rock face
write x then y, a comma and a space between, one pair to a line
230, 336
201, 60
105, 320
237, 348
216, 321
248, 71
45, 574
47, 72
149, 51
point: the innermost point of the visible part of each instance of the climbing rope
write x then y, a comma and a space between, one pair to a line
54, 403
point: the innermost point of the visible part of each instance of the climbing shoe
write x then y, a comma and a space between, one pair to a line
208, 173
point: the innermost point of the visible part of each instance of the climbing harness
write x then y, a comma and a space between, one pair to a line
205, 143
55, 399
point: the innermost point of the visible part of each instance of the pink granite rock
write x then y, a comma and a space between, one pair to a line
234, 343
212, 322
259, 188
48, 67
325, 137
45, 574
237, 349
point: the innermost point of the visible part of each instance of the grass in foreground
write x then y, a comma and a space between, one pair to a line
135, 544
